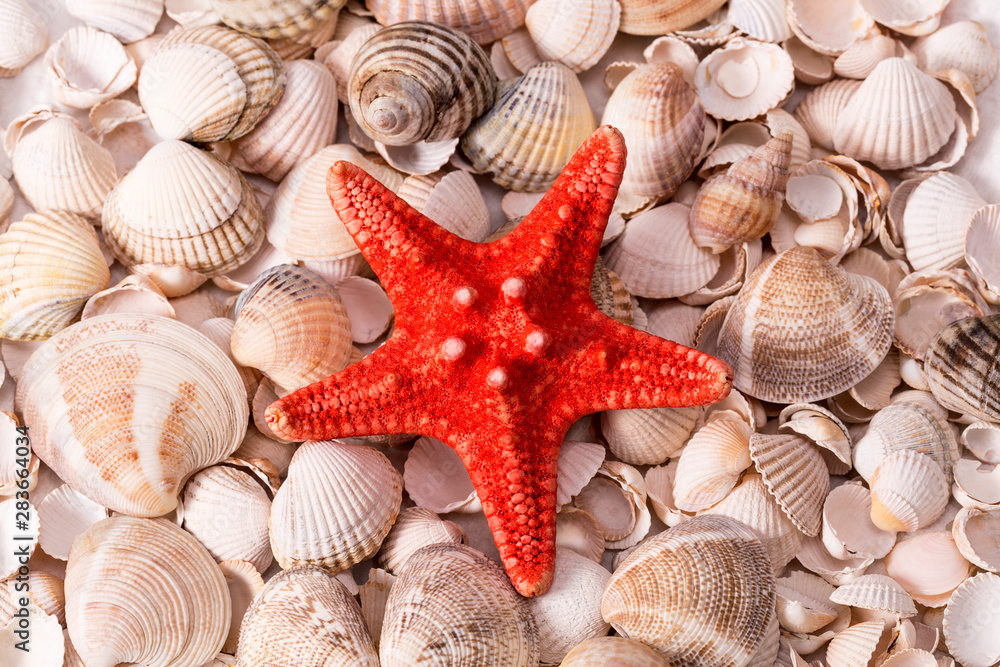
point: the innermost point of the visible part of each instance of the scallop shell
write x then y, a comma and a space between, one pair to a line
974, 532
928, 242
803, 602
528, 152
744, 79
794, 287
87, 67
653, 596
970, 621
578, 463
962, 45
795, 475
909, 491
878, 592
829, 28
304, 617
646, 17
577, 34
711, 463
450, 602
418, 81
848, 531
128, 21
415, 528
647, 436
821, 109
140, 590
275, 18
336, 506
959, 362
597, 652
23, 36
760, 19
180, 205
861, 58
482, 21
50, 265
906, 426
192, 401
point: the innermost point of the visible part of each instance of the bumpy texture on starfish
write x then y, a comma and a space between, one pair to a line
498, 348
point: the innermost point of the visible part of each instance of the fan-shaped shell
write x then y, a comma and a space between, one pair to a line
929, 566
415, 528
857, 645
275, 18
745, 79
928, 242
861, 58
23, 36
906, 426
760, 19
124, 407
647, 17
140, 590
973, 531
647, 436
598, 651
129, 21
970, 621
804, 604
577, 34
909, 491
875, 591
711, 463
481, 20
961, 364
87, 67
796, 476
962, 45
982, 236
848, 530
821, 108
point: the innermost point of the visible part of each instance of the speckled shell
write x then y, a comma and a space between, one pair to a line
140, 590
961, 365
275, 18
125, 406
451, 604
812, 329
651, 17
419, 81
656, 594
482, 20
304, 617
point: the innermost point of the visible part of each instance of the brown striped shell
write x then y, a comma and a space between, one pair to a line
962, 365
482, 20
275, 18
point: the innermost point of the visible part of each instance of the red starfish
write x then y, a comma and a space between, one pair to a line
498, 348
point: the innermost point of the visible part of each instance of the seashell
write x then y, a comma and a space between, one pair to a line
304, 616
570, 611
921, 122
339, 58
453, 200
220, 330
778, 121
657, 258
244, 582
23, 36
927, 302
128, 22
908, 491
368, 308
578, 531
258, 446
88, 66
45, 592
854, 309
942, 196
974, 533
599, 651
467, 607
51, 264
303, 121
6, 201
22, 536
192, 400
821, 109
435, 478
803, 602
763, 20
848, 530
858, 61
420, 158
970, 621
929, 566
191, 13
418, 81
63, 514
742, 204
577, 34
906, 426
519, 155
317, 517
171, 280
962, 45
653, 595
519, 52
982, 440
877, 592
415, 528
273, 19
976, 484
642, 17
857, 645
822, 428
674, 321
665, 138
745, 79
647, 436
134, 294
795, 475
811, 67
829, 28
482, 21
711, 463
980, 238
140, 590
910, 658
915, 18
959, 360
58, 167
374, 596
578, 463
213, 223
616, 498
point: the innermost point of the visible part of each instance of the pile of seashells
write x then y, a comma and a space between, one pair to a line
170, 265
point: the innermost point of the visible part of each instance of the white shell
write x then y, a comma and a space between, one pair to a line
848, 531
760, 19
22, 36
577, 34
970, 622
64, 514
129, 21
87, 67
962, 45
745, 79
415, 528
974, 532
829, 27
980, 241
711, 463
435, 478
909, 491
928, 242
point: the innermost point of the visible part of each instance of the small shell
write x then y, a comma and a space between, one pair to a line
915, 18
970, 621
821, 109
857, 645
647, 436
418, 81
829, 27
374, 595
128, 21
452, 200
23, 36
483, 21
823, 429
645, 17
134, 294
909, 491
927, 301
811, 67
929, 566
578, 531
906, 426
578, 463
87, 67
878, 592
616, 498
976, 484
848, 531
796, 476
577, 34
415, 528
958, 362
435, 478
744, 79
817, 559
711, 463
974, 532
803, 602
599, 651
760, 19
962, 45
274, 19
861, 58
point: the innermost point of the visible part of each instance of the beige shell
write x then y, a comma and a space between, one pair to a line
958, 362
803, 602
877, 592
527, 152
304, 617
450, 602
973, 531
134, 294
435, 478
578, 463
318, 517
908, 491
141, 590
129, 21
599, 651
811, 67
481, 20
50, 264
821, 108
244, 582
745, 79
418, 81
616, 498
942, 196
794, 287
918, 17
577, 34
929, 566
647, 17
796, 476
927, 301
981, 237
711, 463
970, 621
858, 61
87, 66
180, 205
374, 595
760, 19
814, 556
452, 200
848, 531
83, 392
653, 596
829, 27
962, 45
663, 123
857, 645
23, 36
63, 514
742, 204
415, 528
647, 436
578, 531
275, 18
906, 426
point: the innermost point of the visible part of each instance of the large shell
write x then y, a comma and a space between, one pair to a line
304, 617
649, 17
656, 594
928, 243
483, 20
336, 506
22, 36
962, 45
275, 18
529, 134
140, 590
970, 622
418, 81
125, 406
181, 205
929, 566
962, 365
575, 33
450, 604
292, 326
777, 356
50, 264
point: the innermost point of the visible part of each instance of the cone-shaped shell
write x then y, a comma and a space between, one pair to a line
898, 117
275, 18
796, 476
577, 34
450, 603
50, 264
140, 590
292, 326
962, 364
22, 36
419, 81
482, 20
962, 45
527, 152
602, 651
906, 426
645, 17
304, 617
745, 79
415, 528
125, 406
909, 491
802, 329
970, 621
336, 506
711, 463
742, 204
663, 122
657, 594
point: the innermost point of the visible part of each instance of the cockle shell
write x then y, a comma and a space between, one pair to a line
87, 67
927, 301
981, 238
795, 475
877, 592
791, 288
275, 18
415, 528
419, 81
848, 530
304, 616
374, 595
821, 109
44, 590
317, 517
50, 264
483, 21
450, 603
134, 294
857, 645
970, 621
23, 36
616, 498
760, 19
599, 651
128, 21
647, 436
577, 34
452, 200
909, 491
829, 27
918, 17
929, 566
962, 45
141, 590
858, 61
82, 394
711, 463
906, 426
943, 196
645, 17
803, 602
961, 363
181, 205
654, 595
743, 80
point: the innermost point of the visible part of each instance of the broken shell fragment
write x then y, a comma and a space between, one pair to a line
87, 67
